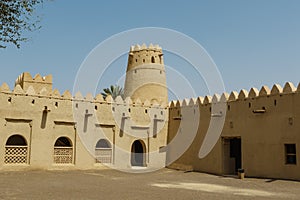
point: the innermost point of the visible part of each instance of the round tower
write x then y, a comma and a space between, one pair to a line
146, 75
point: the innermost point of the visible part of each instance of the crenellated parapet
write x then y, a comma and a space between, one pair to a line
252, 94
151, 47
25, 80
243, 94
140, 55
44, 93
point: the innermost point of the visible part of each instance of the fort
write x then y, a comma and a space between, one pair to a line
43, 129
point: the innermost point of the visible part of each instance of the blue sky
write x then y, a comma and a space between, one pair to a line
253, 43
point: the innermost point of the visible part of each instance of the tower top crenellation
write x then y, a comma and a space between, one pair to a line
141, 55
152, 47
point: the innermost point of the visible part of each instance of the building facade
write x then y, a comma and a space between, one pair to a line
43, 129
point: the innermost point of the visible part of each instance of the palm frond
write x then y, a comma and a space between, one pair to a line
113, 91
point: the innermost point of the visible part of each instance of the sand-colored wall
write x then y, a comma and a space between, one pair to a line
263, 133
22, 111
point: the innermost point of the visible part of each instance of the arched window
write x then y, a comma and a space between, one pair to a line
16, 140
16, 150
103, 151
63, 151
63, 142
103, 144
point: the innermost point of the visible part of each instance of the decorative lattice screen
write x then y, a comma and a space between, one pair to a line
15, 155
63, 155
103, 155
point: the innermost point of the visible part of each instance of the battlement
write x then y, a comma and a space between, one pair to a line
25, 85
151, 47
141, 55
25, 80
253, 94
66, 95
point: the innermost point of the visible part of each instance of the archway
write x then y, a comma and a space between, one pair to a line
103, 151
16, 150
138, 150
63, 151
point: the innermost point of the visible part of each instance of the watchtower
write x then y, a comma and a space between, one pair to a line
38, 82
146, 75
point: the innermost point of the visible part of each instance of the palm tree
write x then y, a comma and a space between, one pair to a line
113, 91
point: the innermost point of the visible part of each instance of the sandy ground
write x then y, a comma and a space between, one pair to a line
163, 184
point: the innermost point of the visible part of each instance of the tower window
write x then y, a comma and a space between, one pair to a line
130, 59
143, 60
153, 59
135, 60
160, 59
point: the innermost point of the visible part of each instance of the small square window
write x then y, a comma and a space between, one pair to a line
290, 154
